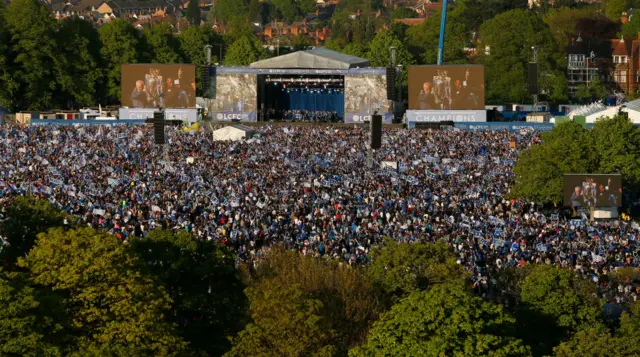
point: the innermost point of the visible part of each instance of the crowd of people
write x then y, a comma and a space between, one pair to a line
316, 190
310, 116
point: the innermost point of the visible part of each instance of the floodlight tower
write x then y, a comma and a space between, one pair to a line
443, 23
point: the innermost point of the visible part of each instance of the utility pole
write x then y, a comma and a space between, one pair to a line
443, 23
207, 101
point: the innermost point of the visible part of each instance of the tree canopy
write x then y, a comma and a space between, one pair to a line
443, 321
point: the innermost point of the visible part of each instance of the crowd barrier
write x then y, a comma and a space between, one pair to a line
43, 122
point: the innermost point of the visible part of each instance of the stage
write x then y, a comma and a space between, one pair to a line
317, 85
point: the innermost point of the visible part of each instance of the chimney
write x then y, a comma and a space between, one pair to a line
573, 41
304, 21
624, 18
317, 12
358, 13
638, 35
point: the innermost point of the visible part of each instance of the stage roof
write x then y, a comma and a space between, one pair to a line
317, 58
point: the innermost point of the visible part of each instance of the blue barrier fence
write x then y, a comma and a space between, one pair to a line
42, 122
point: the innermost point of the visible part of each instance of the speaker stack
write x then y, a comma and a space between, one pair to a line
391, 84
532, 79
158, 128
376, 131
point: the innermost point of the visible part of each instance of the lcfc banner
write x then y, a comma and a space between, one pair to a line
187, 114
387, 118
431, 116
231, 116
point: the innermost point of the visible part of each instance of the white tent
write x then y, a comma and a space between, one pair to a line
233, 133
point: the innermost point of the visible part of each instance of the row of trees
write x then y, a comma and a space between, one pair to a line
76, 291
47, 64
611, 146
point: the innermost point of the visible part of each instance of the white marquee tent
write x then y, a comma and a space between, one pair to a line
317, 58
233, 133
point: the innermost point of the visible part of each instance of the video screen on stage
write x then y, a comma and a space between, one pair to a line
158, 86
592, 190
446, 87
236, 97
365, 94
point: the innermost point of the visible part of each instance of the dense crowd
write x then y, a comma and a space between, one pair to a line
310, 116
311, 189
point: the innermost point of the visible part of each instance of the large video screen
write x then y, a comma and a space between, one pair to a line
158, 86
236, 97
364, 95
446, 87
592, 190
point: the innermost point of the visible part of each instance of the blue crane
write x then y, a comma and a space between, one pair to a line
443, 22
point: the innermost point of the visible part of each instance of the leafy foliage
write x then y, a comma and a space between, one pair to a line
208, 303
25, 219
443, 321
349, 301
27, 327
560, 294
286, 323
540, 169
505, 65
612, 146
244, 51
380, 56
193, 13
423, 39
163, 46
116, 309
400, 269
121, 44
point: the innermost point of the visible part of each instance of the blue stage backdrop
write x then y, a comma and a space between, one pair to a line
323, 100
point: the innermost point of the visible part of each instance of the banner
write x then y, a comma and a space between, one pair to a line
43, 122
434, 116
187, 114
233, 116
387, 118
506, 126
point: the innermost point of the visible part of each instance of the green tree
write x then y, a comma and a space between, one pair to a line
225, 10
616, 144
540, 168
566, 23
121, 44
32, 82
244, 51
192, 42
583, 94
27, 326
474, 13
350, 302
380, 56
287, 9
208, 302
598, 89
78, 63
403, 13
300, 43
443, 321
25, 219
116, 309
307, 6
563, 296
400, 269
632, 27
614, 8
509, 38
193, 13
423, 39
6, 63
163, 46
286, 323
355, 49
